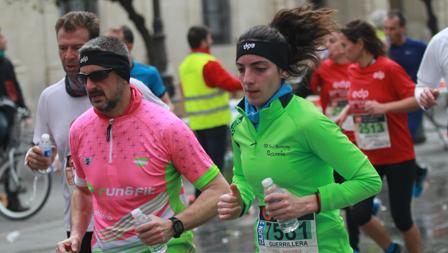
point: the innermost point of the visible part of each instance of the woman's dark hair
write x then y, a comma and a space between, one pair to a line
303, 29
359, 29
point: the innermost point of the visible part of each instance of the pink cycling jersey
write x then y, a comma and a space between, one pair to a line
135, 160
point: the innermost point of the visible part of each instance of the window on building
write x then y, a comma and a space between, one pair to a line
77, 5
216, 15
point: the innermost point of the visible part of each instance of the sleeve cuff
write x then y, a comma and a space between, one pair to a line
208, 176
79, 181
323, 204
418, 93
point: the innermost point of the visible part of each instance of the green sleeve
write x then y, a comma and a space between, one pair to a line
327, 141
239, 180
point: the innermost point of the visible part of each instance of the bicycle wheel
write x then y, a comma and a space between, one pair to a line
29, 188
438, 117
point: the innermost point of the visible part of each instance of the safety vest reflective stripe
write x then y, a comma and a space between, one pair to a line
212, 95
209, 111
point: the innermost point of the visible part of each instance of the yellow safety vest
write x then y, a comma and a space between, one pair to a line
206, 107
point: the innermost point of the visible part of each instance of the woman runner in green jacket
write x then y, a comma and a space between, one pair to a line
284, 137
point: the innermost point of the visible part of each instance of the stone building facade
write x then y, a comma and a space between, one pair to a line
29, 28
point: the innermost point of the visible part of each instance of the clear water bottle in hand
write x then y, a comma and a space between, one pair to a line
285, 225
46, 147
141, 218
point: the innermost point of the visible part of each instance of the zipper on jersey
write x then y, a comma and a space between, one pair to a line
109, 138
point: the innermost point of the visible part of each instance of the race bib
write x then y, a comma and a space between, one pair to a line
371, 131
335, 108
348, 124
271, 239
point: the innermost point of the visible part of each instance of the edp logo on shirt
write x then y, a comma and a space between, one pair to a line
378, 75
344, 84
361, 94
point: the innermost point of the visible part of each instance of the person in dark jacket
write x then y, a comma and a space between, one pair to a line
11, 97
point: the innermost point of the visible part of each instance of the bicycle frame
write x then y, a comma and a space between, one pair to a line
35, 199
439, 128
17, 179
8, 162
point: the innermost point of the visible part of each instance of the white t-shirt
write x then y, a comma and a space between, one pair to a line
434, 65
56, 110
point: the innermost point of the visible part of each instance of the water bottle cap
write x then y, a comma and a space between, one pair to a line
267, 182
136, 212
45, 137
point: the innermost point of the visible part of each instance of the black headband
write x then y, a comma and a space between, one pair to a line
276, 52
119, 63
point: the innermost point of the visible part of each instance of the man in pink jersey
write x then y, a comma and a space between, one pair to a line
129, 154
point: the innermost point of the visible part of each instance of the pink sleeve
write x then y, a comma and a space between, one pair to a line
74, 152
187, 154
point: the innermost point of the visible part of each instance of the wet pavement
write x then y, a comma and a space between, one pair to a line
430, 210
40, 233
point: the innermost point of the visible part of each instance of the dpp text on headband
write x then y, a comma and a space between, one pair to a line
119, 63
273, 51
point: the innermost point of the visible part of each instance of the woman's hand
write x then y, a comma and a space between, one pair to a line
342, 117
374, 108
285, 206
230, 205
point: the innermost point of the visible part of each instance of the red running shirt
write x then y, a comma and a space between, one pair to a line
333, 82
384, 81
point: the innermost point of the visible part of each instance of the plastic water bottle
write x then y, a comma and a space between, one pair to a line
285, 225
45, 146
141, 218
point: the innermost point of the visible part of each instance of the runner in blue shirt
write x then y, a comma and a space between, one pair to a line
147, 74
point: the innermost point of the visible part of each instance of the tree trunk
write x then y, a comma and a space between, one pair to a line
158, 40
139, 22
154, 43
396, 4
432, 19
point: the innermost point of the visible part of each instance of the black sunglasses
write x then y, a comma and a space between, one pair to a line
94, 76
